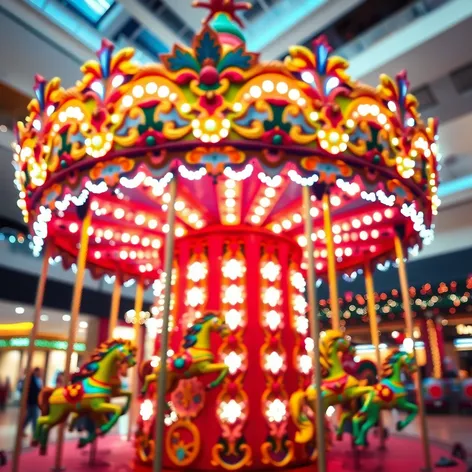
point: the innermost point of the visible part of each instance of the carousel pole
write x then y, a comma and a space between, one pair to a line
74, 320
138, 308
332, 276
409, 333
162, 378
314, 330
115, 307
32, 340
374, 331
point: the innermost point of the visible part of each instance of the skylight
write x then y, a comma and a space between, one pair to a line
92, 10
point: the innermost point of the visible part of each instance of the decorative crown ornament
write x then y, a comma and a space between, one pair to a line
216, 107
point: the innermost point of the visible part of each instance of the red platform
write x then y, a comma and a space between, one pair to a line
114, 454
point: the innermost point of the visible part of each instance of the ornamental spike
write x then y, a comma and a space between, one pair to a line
104, 55
39, 90
322, 50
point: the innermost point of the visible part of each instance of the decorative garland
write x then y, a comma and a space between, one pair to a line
446, 298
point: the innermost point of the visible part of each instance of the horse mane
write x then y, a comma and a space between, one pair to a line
90, 368
390, 361
190, 338
326, 345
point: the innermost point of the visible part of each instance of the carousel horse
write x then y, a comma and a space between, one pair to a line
337, 388
194, 358
89, 393
389, 393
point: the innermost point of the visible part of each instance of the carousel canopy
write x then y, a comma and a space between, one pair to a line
241, 136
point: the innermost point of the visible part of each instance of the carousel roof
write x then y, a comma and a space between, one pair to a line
240, 135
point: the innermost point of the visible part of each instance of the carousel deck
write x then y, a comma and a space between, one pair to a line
113, 453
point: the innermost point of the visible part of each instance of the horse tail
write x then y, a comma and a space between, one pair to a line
43, 400
302, 422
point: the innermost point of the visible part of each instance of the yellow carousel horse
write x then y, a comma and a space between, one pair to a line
337, 387
194, 358
89, 392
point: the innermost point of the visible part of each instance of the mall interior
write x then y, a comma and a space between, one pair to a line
49, 321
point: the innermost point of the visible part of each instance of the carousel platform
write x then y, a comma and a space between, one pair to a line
115, 454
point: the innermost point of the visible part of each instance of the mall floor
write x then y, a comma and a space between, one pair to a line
445, 429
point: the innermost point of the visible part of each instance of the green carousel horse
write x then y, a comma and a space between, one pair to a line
337, 387
194, 358
390, 393
89, 393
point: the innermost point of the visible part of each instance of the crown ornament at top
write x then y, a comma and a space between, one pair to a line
216, 105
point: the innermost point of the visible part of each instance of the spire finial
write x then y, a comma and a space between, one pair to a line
230, 7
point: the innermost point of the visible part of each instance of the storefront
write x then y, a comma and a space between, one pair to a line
49, 354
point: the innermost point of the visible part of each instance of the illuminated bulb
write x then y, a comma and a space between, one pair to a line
287, 224
348, 251
73, 227
282, 88
231, 218
314, 212
388, 213
230, 183
119, 213
375, 233
140, 219
230, 193
335, 200
125, 237
259, 211
363, 235
179, 232
152, 224
108, 234
367, 220
302, 241
356, 223
277, 228
255, 91
135, 239
230, 202
123, 255
297, 218
145, 242
179, 205
377, 217
255, 219
265, 202
269, 192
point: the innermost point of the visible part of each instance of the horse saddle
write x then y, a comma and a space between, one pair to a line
335, 386
74, 393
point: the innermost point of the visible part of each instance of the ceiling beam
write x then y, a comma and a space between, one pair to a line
310, 25
152, 23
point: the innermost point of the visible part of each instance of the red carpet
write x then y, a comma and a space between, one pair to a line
402, 455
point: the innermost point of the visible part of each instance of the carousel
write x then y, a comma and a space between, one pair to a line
232, 186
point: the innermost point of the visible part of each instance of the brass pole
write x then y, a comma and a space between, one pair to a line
115, 307
32, 340
162, 378
138, 308
409, 332
74, 322
332, 276
314, 331
374, 331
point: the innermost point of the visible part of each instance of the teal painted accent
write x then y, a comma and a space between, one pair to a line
395, 388
94, 388
179, 363
180, 453
223, 24
455, 186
